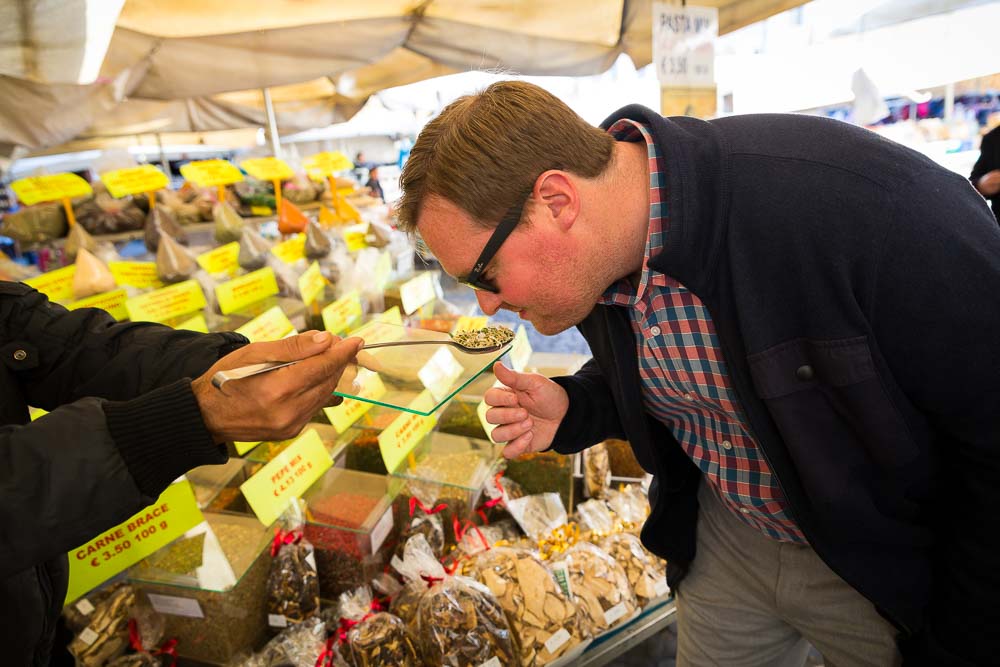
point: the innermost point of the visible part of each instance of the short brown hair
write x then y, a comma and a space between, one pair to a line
483, 152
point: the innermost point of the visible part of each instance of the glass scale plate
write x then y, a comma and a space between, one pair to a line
418, 379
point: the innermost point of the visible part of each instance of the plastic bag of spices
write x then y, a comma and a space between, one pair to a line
458, 621
106, 635
596, 471
598, 585
546, 622
228, 223
254, 250
425, 521
174, 262
538, 515
374, 637
161, 221
595, 517
292, 582
646, 574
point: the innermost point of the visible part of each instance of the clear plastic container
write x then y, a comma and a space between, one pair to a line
451, 470
350, 522
333, 441
210, 585
544, 472
217, 488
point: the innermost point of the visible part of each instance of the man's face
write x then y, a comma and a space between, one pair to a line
536, 270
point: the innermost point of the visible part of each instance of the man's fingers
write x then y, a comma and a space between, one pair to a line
511, 432
506, 415
513, 379
500, 397
293, 348
518, 447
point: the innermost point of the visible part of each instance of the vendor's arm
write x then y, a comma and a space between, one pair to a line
936, 316
93, 462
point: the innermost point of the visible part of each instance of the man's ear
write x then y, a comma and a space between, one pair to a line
558, 196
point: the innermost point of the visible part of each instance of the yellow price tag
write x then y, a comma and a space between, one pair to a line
287, 476
174, 513
211, 173
35, 413
196, 323
221, 260
244, 447
267, 168
372, 333
399, 438
367, 385
311, 283
341, 313
520, 350
261, 211
292, 250
113, 302
417, 291
467, 323
134, 180
135, 274
57, 285
391, 316
54, 187
383, 270
321, 165
166, 303
246, 289
272, 324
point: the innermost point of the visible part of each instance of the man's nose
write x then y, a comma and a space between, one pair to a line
488, 301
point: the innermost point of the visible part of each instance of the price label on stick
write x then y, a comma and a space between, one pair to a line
322, 165
211, 173
134, 180
53, 187
287, 476
267, 168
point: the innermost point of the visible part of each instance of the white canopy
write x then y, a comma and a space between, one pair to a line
99, 68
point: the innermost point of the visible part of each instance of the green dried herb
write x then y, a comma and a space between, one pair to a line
485, 337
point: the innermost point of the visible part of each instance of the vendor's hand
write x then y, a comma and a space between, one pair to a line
989, 183
275, 405
527, 411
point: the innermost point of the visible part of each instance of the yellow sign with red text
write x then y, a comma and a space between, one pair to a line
36, 189
367, 385
311, 283
292, 250
166, 303
272, 324
287, 476
57, 285
321, 165
174, 513
246, 289
135, 274
211, 173
267, 168
341, 313
134, 180
399, 438
222, 259
113, 302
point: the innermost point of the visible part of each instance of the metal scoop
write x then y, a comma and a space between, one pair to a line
221, 377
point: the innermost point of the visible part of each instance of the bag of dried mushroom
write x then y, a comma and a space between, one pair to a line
546, 622
374, 637
630, 505
646, 574
292, 583
458, 621
538, 515
596, 471
597, 584
106, 635
426, 521
595, 517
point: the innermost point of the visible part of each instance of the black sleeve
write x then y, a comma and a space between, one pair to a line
987, 162
936, 316
592, 416
92, 462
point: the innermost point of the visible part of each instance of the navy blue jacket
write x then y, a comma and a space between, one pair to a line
855, 289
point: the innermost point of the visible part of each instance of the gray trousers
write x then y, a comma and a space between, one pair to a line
751, 600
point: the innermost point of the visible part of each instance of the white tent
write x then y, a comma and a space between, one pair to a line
97, 68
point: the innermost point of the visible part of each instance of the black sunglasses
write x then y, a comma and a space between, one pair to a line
507, 224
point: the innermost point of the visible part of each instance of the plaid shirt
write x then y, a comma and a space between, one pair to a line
686, 385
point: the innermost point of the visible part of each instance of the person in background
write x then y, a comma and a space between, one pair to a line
125, 420
373, 185
986, 172
795, 324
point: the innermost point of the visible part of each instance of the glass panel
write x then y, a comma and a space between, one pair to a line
406, 372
